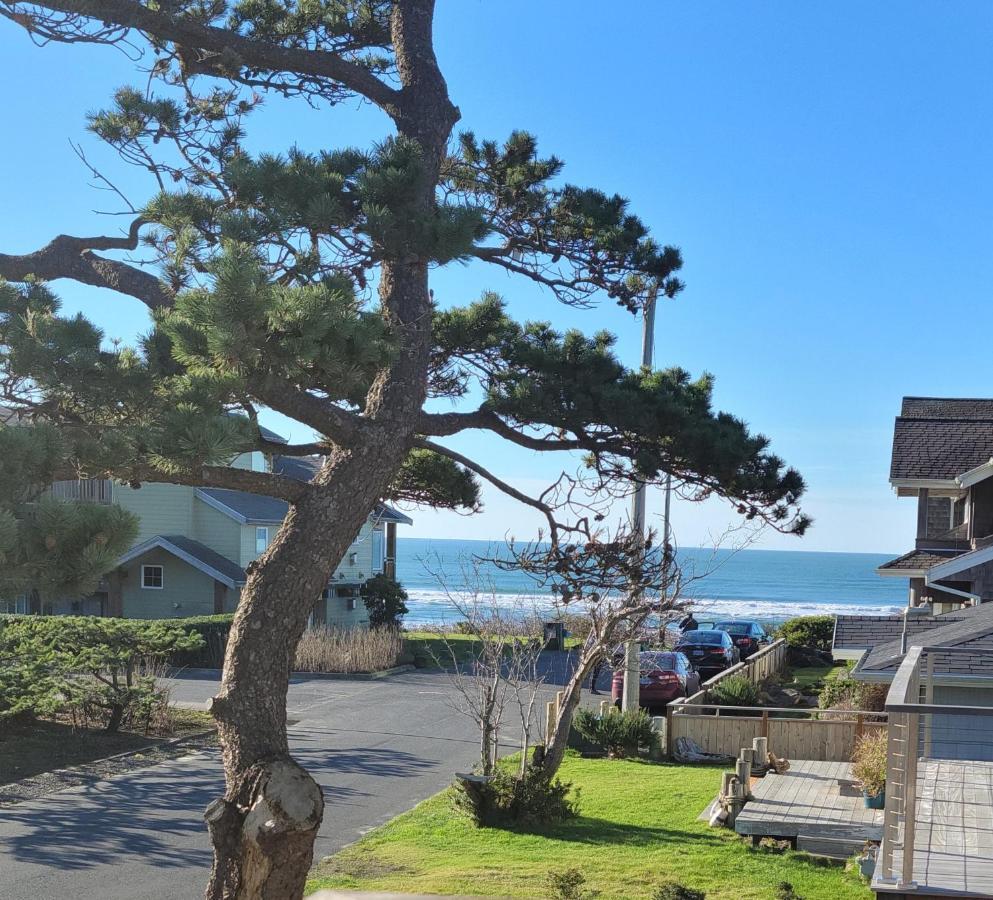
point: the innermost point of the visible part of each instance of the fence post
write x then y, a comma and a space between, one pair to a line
765, 724
859, 726
669, 712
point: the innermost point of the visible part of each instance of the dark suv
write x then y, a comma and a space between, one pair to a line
748, 637
709, 651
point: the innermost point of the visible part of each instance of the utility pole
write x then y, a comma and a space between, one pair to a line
631, 697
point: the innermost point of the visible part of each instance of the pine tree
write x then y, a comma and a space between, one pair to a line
299, 282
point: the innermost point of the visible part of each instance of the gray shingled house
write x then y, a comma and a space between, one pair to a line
943, 456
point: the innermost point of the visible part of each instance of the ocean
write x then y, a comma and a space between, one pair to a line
768, 585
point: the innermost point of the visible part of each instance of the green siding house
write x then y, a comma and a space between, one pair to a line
194, 543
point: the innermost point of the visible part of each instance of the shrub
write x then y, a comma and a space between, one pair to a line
785, 891
385, 600
808, 631
214, 631
619, 733
510, 800
568, 885
845, 692
674, 891
737, 690
869, 762
325, 649
99, 669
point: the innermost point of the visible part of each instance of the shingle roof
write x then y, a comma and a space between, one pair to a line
251, 508
947, 408
917, 560
863, 632
254, 508
193, 552
970, 625
942, 449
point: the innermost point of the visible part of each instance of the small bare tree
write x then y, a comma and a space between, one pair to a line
618, 581
502, 674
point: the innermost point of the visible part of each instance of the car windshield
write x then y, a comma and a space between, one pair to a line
657, 662
734, 627
703, 637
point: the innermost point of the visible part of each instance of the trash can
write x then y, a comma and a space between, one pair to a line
554, 635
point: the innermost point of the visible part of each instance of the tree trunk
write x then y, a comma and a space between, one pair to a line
557, 743
264, 827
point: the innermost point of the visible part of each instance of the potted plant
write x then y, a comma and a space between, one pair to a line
869, 768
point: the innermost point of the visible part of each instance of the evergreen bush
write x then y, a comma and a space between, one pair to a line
737, 690
618, 733
808, 631
98, 669
386, 601
513, 801
672, 890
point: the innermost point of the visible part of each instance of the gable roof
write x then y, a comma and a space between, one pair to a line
916, 562
192, 552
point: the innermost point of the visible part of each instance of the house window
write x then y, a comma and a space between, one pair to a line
378, 551
152, 578
18, 605
353, 558
261, 539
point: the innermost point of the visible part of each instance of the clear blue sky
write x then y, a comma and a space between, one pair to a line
825, 169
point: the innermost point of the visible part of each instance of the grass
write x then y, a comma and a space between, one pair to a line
432, 649
34, 747
810, 679
638, 827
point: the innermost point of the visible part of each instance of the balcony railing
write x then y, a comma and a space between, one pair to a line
92, 490
936, 755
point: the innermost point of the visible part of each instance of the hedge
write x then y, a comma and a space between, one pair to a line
213, 629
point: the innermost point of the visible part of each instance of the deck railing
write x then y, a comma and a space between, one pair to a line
93, 490
921, 731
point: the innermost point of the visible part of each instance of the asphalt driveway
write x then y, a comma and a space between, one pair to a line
376, 747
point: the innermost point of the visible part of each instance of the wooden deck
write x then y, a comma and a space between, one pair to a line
808, 805
953, 845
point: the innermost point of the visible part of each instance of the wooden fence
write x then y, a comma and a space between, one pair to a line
759, 666
827, 736
823, 735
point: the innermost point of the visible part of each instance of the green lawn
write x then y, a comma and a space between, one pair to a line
810, 679
638, 828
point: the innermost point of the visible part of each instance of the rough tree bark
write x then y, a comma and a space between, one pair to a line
264, 827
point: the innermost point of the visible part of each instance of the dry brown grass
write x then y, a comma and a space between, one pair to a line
351, 650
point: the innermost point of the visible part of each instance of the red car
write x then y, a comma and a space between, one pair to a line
665, 675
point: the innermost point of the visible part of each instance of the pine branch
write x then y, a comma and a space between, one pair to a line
73, 258
204, 48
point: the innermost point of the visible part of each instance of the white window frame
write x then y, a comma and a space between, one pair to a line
261, 532
153, 587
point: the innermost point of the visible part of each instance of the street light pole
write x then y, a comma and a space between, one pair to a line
631, 696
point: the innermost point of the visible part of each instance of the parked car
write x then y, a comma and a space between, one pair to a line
709, 651
748, 636
665, 676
